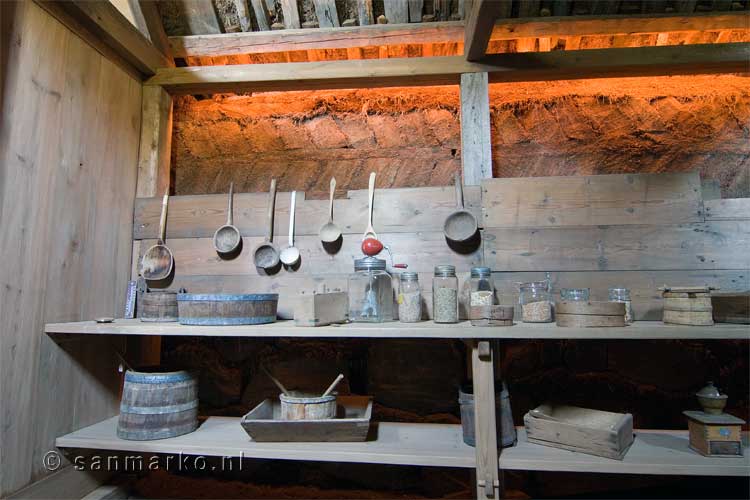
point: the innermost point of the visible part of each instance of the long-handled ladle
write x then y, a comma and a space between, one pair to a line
333, 385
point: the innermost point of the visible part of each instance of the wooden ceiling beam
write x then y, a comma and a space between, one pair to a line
445, 32
479, 26
101, 22
556, 65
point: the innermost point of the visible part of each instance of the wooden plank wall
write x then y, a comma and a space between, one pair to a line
70, 131
639, 231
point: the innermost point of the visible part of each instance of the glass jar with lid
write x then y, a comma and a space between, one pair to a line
535, 300
370, 291
481, 287
409, 298
623, 295
575, 294
445, 295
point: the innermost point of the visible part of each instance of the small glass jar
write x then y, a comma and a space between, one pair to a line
623, 295
536, 302
409, 298
370, 292
445, 295
574, 294
481, 288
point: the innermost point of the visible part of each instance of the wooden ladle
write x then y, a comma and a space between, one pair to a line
333, 385
227, 238
330, 232
266, 255
158, 261
461, 225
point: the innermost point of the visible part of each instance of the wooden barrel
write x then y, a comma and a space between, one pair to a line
159, 306
158, 405
227, 309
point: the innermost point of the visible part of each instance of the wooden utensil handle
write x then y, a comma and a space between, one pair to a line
333, 385
333, 190
459, 192
163, 219
291, 218
271, 202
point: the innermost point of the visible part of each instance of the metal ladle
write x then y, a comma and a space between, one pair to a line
330, 232
266, 255
227, 238
290, 255
158, 261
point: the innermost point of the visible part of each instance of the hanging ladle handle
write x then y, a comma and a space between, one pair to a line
333, 385
459, 192
231, 204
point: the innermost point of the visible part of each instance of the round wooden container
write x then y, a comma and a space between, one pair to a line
590, 314
158, 405
227, 309
300, 406
158, 306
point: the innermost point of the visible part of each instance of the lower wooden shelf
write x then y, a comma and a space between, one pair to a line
653, 452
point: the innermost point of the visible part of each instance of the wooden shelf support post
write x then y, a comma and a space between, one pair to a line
489, 478
476, 150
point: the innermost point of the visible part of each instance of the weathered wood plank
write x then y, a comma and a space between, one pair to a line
290, 13
397, 11
476, 143
487, 476
155, 28
364, 12
709, 246
243, 14
199, 16
479, 27
156, 140
643, 285
727, 209
396, 211
594, 63
415, 11
328, 16
261, 16
592, 200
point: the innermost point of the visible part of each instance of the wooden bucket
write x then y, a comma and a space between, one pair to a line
158, 405
158, 306
299, 406
227, 309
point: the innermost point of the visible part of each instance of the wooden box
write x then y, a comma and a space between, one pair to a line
594, 432
352, 423
731, 308
688, 306
715, 435
321, 309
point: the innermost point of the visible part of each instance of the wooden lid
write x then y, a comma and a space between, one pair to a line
591, 308
707, 418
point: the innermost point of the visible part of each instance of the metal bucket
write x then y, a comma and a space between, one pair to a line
506, 431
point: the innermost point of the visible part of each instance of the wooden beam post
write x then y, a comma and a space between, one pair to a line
489, 479
479, 24
476, 148
153, 180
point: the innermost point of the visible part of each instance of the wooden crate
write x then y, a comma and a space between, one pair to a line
688, 306
321, 309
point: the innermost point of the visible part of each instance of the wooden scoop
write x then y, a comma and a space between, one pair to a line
461, 225
330, 232
157, 262
227, 238
266, 255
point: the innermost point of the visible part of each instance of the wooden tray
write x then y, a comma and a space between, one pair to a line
352, 423
584, 430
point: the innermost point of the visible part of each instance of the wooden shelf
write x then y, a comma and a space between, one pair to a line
438, 445
426, 329
653, 452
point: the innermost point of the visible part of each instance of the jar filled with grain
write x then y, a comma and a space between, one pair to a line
623, 295
409, 298
482, 290
536, 302
445, 295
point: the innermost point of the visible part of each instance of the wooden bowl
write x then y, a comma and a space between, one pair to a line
301, 406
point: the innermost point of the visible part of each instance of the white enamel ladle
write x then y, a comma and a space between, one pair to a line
290, 255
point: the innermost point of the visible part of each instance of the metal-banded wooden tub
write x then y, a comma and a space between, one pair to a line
158, 405
227, 309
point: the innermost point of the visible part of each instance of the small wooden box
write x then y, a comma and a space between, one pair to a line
688, 305
595, 432
715, 435
321, 309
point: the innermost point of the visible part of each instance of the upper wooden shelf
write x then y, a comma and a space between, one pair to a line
425, 329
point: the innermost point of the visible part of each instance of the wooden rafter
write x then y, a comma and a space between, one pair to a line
641, 61
445, 32
102, 21
478, 29
155, 28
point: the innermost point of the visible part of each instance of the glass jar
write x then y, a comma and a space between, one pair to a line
536, 302
623, 295
481, 288
574, 294
445, 295
409, 298
370, 292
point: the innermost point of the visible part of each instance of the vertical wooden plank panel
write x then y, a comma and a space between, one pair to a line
156, 142
364, 12
397, 11
291, 14
415, 11
328, 16
476, 150
488, 475
261, 15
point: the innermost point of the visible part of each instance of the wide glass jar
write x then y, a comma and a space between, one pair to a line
370, 292
575, 294
623, 295
481, 287
536, 302
445, 295
409, 298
